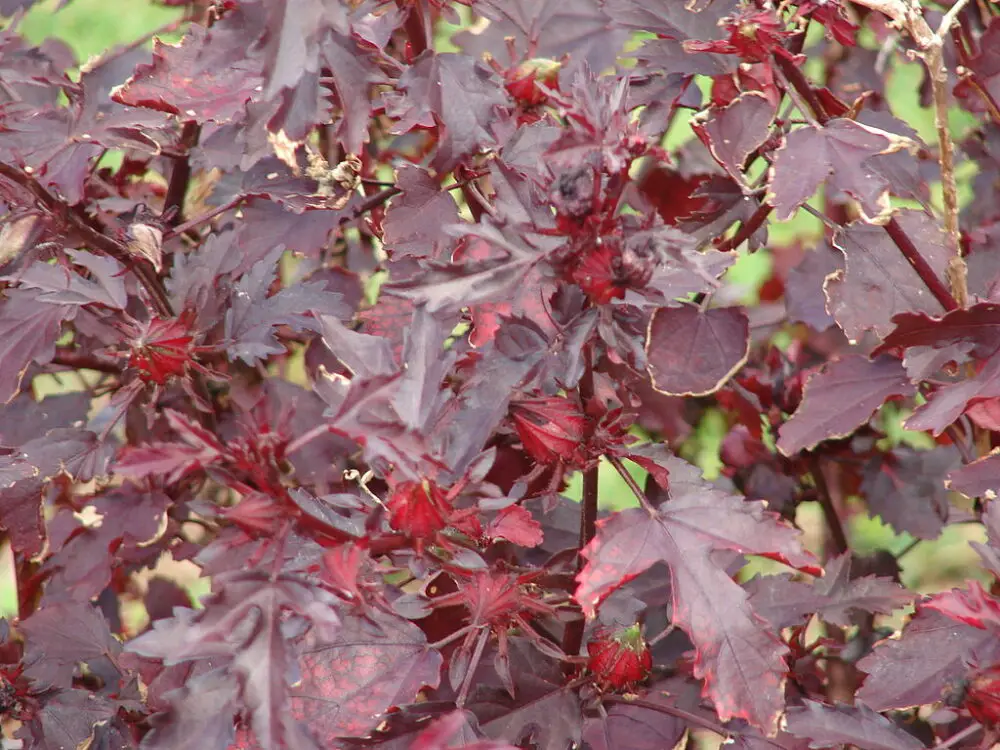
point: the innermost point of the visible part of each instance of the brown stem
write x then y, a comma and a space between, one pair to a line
920, 265
180, 177
798, 81
573, 634
374, 202
92, 236
938, 73
191, 223
833, 522
630, 481
747, 228
80, 361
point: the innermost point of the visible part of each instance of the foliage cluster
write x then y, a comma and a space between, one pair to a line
348, 300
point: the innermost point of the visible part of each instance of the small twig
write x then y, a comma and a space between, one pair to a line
374, 202
747, 229
632, 485
81, 224
190, 224
958, 737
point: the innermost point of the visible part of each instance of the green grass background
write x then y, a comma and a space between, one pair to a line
90, 27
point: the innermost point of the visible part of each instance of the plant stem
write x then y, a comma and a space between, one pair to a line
833, 522
632, 485
180, 177
374, 202
747, 228
190, 224
82, 225
680, 713
920, 265
80, 361
959, 736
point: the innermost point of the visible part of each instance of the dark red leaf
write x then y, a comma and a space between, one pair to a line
741, 659
832, 726
841, 397
877, 281
932, 652
835, 153
735, 131
693, 352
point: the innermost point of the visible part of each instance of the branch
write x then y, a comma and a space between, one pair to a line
747, 229
192, 223
830, 514
180, 176
80, 361
630, 481
920, 265
94, 237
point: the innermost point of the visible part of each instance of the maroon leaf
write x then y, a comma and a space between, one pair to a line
62, 286
243, 623
831, 726
740, 659
206, 77
950, 402
415, 221
841, 397
978, 325
932, 652
548, 722
784, 602
29, 328
804, 295
372, 664
635, 727
466, 112
253, 315
693, 352
877, 282
201, 711
61, 636
972, 606
906, 490
837, 153
735, 131
978, 478
67, 719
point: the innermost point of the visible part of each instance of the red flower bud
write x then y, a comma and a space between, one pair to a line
619, 658
522, 81
982, 697
418, 509
161, 349
551, 428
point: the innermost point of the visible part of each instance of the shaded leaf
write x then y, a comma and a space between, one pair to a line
841, 397
877, 281
932, 652
830, 726
741, 659
693, 352
837, 153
